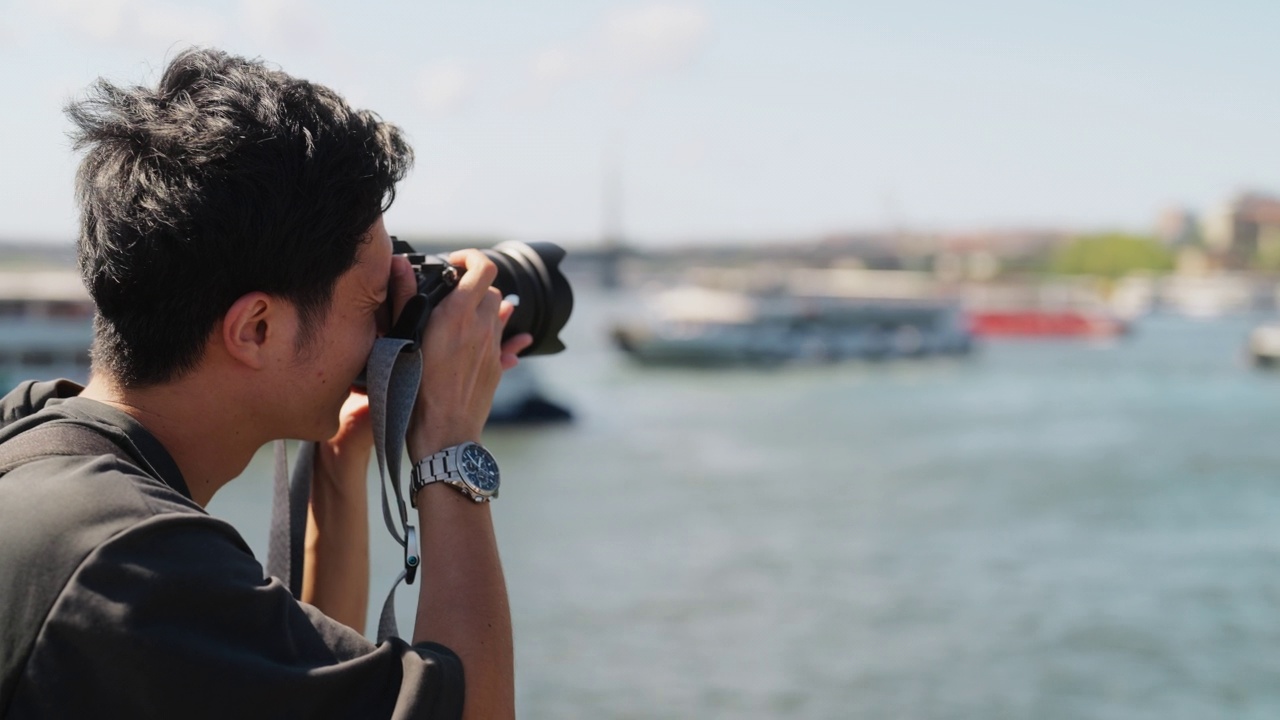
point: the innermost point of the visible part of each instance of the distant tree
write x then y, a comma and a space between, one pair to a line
1268, 256
1111, 255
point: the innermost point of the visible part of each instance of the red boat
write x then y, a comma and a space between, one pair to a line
1044, 323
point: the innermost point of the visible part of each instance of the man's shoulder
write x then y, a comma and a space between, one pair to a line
92, 473
58, 492
54, 511
31, 396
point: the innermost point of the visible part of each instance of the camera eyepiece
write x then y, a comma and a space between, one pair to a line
528, 270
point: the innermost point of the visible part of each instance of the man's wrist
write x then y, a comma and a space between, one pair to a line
340, 466
441, 494
423, 441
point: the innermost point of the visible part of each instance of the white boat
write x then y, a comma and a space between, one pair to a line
701, 326
46, 325
1264, 345
1205, 296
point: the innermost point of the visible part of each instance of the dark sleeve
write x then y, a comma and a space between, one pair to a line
173, 619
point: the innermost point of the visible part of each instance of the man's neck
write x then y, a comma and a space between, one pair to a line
197, 422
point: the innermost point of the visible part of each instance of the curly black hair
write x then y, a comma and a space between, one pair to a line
228, 177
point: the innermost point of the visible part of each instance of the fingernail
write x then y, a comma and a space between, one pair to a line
513, 299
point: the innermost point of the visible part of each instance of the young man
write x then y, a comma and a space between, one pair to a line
232, 240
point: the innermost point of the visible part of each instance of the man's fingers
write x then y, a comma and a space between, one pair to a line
354, 425
512, 347
508, 308
479, 269
356, 406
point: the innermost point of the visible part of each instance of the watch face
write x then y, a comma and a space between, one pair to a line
479, 469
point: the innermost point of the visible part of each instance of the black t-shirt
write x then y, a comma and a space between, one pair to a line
121, 597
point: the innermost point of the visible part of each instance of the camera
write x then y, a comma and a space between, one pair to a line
531, 271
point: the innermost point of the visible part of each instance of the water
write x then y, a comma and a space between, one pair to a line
1043, 530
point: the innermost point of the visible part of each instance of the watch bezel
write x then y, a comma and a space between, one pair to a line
467, 478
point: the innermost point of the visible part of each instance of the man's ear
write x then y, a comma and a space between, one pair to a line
249, 325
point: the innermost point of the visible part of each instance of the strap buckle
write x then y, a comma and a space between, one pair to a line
411, 558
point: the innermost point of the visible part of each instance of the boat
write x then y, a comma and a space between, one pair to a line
698, 326
46, 327
521, 400
1264, 345
1045, 323
1059, 310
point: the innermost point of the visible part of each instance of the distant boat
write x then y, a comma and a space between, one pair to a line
521, 400
1045, 323
693, 326
1207, 296
46, 327
1062, 309
1264, 345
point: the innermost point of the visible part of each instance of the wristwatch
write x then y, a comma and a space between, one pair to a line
468, 467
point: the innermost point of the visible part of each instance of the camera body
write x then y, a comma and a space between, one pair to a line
531, 271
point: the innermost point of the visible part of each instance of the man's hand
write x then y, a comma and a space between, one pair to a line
354, 439
335, 571
463, 354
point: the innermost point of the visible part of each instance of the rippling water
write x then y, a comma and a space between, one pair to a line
1043, 530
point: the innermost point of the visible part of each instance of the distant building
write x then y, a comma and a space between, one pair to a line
1245, 233
982, 255
1178, 227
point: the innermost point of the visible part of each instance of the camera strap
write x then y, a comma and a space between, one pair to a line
391, 380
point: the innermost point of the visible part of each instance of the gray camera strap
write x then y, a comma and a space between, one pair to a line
392, 376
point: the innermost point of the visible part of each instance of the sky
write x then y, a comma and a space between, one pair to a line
713, 120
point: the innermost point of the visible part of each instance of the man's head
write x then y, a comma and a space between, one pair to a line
227, 178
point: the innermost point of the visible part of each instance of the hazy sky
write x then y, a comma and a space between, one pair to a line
717, 119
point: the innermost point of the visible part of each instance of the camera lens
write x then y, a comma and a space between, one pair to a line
532, 271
